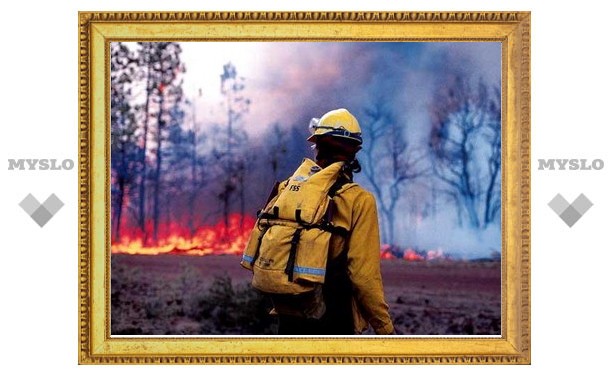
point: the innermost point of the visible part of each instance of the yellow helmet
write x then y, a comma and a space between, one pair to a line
337, 123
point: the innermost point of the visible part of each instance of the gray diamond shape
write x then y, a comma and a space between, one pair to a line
41, 213
53, 204
582, 204
570, 213
42, 216
29, 204
558, 204
570, 216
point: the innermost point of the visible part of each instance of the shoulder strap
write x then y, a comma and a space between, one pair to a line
327, 224
340, 182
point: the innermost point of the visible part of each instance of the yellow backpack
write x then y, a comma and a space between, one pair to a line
289, 245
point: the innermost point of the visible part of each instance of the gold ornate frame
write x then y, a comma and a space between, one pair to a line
98, 29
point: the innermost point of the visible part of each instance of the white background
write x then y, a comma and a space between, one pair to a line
571, 104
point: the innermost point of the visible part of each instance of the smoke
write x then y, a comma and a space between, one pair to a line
300, 80
289, 83
443, 233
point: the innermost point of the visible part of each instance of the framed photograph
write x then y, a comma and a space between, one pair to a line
188, 119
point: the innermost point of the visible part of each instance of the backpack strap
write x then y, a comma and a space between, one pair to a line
326, 225
336, 230
292, 254
340, 182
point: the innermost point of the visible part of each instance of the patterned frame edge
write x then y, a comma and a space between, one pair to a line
521, 23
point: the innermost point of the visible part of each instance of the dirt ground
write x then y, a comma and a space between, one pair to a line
425, 298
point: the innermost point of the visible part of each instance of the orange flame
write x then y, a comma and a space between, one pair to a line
390, 252
177, 239
411, 255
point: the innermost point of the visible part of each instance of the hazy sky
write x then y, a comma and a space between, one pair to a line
291, 82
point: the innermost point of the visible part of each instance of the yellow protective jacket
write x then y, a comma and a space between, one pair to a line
355, 210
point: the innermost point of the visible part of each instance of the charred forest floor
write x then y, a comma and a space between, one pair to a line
211, 295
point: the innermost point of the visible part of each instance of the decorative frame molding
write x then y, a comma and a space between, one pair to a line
98, 29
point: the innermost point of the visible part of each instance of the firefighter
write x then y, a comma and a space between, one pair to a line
353, 288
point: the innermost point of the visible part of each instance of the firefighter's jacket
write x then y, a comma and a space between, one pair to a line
355, 210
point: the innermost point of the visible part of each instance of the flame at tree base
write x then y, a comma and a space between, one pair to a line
389, 252
177, 239
222, 239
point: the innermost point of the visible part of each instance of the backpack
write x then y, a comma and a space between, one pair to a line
288, 248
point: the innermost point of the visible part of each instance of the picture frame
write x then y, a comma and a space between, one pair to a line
98, 29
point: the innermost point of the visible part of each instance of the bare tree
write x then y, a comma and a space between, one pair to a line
492, 134
147, 58
198, 175
276, 140
156, 75
465, 142
231, 142
388, 164
124, 144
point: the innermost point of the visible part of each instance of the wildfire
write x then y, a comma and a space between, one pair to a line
206, 240
221, 239
389, 252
